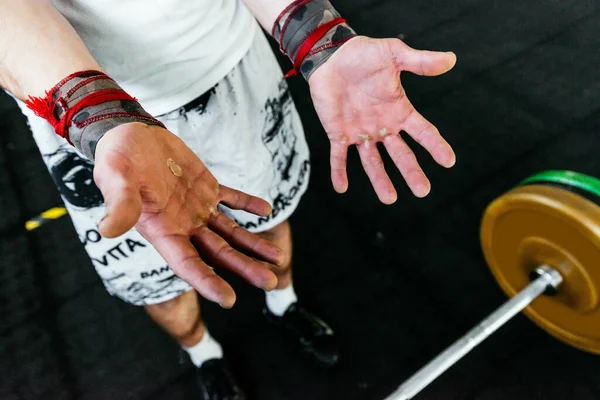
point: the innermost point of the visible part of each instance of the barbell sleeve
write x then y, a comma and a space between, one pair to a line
547, 278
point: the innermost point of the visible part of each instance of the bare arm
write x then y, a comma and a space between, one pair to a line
38, 47
267, 11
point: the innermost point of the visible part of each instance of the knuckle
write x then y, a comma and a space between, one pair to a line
204, 280
405, 157
338, 160
223, 250
407, 116
422, 133
374, 162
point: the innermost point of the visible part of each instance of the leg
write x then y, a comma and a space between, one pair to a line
180, 317
280, 299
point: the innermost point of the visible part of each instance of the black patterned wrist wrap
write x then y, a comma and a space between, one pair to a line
312, 23
85, 105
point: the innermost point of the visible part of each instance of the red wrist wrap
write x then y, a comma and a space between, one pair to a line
309, 32
311, 40
87, 90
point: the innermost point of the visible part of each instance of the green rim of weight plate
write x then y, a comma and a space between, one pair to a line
577, 180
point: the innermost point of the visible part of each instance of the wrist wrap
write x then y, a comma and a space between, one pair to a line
85, 105
309, 32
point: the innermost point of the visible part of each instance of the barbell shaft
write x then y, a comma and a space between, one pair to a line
548, 277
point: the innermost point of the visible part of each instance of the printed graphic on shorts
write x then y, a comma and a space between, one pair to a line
74, 177
130, 268
117, 250
281, 140
279, 137
199, 104
162, 290
278, 134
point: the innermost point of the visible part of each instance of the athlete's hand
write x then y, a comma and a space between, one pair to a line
151, 180
360, 101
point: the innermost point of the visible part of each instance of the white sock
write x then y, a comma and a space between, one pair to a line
206, 349
279, 300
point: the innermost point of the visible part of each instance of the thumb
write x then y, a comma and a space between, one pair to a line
121, 192
422, 62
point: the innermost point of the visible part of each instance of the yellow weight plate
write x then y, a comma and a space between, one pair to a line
534, 225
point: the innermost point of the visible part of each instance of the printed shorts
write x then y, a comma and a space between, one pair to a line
246, 130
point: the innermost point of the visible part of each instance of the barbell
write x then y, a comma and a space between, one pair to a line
541, 241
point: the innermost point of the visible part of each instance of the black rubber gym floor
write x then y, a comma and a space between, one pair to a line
398, 283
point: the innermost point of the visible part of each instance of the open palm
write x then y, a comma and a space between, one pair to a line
151, 180
360, 101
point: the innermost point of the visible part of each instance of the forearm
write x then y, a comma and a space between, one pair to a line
38, 48
44, 62
267, 11
308, 31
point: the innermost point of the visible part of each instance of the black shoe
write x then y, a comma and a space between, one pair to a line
315, 336
217, 383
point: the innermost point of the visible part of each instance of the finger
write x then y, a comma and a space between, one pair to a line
244, 240
241, 201
121, 193
427, 135
339, 177
182, 257
422, 62
373, 166
219, 252
407, 164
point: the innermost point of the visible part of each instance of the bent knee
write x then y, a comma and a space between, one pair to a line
179, 316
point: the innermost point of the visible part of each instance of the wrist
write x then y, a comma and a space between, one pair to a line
310, 32
84, 106
323, 72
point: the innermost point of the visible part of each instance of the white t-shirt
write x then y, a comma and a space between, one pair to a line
163, 52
